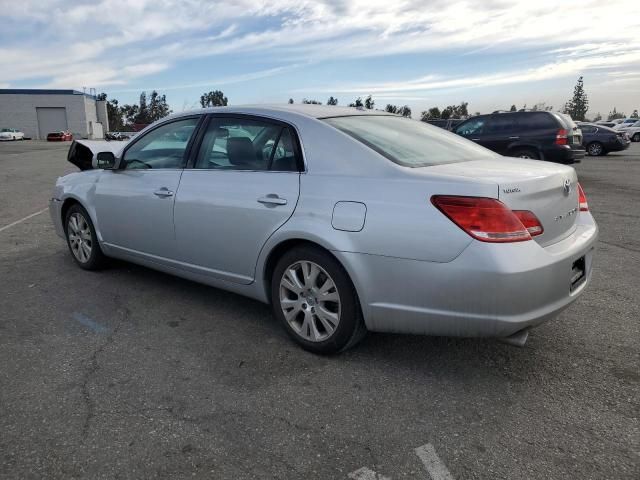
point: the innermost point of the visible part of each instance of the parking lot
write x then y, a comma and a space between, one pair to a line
130, 373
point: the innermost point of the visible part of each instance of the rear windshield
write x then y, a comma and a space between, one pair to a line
408, 142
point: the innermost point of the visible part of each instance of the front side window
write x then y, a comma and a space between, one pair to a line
246, 144
408, 142
163, 147
471, 127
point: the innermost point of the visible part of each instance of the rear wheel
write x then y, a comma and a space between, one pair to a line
595, 149
315, 301
526, 153
82, 239
636, 137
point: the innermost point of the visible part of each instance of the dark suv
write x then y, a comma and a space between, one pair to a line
542, 135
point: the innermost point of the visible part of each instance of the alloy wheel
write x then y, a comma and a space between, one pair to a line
310, 301
80, 240
595, 149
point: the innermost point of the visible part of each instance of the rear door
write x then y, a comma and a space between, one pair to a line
242, 187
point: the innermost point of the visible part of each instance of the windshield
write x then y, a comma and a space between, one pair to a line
408, 142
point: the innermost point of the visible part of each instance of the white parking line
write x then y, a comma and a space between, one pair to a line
432, 463
366, 474
22, 219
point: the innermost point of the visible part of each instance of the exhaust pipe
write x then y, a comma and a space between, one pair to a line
518, 339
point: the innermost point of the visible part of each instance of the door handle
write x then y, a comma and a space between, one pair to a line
475, 139
163, 192
514, 138
272, 199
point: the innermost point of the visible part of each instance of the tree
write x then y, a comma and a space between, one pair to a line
432, 114
290, 101
311, 102
405, 111
597, 117
215, 98
513, 108
634, 114
114, 113
542, 107
142, 115
615, 114
146, 112
577, 107
332, 101
369, 103
158, 107
357, 103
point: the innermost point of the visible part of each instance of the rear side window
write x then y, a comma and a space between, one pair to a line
409, 142
247, 144
501, 124
536, 121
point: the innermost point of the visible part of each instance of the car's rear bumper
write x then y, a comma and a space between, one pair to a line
564, 154
617, 146
490, 290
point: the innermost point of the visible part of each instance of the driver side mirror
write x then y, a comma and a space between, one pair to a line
106, 160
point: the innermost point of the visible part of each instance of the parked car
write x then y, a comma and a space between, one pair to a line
59, 137
627, 122
11, 134
604, 123
448, 124
632, 130
343, 220
600, 140
526, 134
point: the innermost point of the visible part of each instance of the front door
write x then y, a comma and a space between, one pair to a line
134, 204
243, 186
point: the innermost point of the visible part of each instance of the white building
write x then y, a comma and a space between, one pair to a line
40, 112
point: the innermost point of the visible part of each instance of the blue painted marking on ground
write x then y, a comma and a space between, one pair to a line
90, 324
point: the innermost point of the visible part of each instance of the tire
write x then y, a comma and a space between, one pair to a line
82, 239
636, 137
317, 325
526, 153
595, 149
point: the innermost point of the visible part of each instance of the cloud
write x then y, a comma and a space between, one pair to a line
113, 42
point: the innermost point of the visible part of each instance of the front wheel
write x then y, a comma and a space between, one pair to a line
636, 137
595, 149
313, 297
82, 239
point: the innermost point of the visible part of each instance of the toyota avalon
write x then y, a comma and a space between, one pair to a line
343, 220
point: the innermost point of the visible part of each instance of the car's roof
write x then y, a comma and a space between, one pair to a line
307, 110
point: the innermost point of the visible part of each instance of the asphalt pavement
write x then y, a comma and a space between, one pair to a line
131, 373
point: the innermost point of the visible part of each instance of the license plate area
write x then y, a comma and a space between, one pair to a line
578, 273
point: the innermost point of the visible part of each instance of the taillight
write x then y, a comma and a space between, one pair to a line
485, 219
562, 137
582, 200
530, 222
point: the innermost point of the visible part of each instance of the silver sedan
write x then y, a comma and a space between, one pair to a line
345, 221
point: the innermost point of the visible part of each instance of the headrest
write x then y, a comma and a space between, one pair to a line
240, 151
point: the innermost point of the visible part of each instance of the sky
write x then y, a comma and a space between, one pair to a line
422, 53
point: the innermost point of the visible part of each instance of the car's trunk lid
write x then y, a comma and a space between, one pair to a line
548, 190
